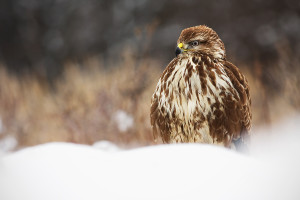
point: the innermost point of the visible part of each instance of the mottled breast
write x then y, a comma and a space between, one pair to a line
198, 99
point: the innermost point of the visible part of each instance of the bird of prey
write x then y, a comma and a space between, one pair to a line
201, 97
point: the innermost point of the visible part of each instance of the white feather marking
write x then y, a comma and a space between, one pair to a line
184, 107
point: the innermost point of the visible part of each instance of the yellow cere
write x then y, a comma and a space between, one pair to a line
180, 45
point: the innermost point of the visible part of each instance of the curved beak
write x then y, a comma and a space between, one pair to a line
179, 49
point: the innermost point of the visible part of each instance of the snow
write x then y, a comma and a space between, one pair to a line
182, 171
106, 146
124, 120
8, 143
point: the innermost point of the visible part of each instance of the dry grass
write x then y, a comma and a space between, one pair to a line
82, 107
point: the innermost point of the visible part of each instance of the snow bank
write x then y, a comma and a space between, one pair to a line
106, 146
185, 171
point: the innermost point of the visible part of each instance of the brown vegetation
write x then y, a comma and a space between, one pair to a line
81, 106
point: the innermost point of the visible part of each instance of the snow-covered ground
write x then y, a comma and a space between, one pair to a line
186, 171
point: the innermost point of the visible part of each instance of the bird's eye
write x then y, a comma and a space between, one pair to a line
194, 43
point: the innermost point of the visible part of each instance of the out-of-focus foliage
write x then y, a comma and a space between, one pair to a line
40, 35
100, 102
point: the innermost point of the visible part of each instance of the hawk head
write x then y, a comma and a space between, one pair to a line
200, 40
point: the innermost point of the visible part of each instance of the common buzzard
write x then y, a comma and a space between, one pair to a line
201, 97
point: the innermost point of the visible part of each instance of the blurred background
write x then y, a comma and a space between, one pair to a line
84, 71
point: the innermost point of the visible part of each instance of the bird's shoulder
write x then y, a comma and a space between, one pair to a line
238, 80
241, 85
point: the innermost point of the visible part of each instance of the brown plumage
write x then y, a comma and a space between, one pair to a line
201, 97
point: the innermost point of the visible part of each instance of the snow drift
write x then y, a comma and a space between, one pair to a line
185, 171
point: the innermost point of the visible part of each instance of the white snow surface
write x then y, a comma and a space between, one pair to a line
183, 171
106, 146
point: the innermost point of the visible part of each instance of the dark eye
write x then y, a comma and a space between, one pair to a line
194, 43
